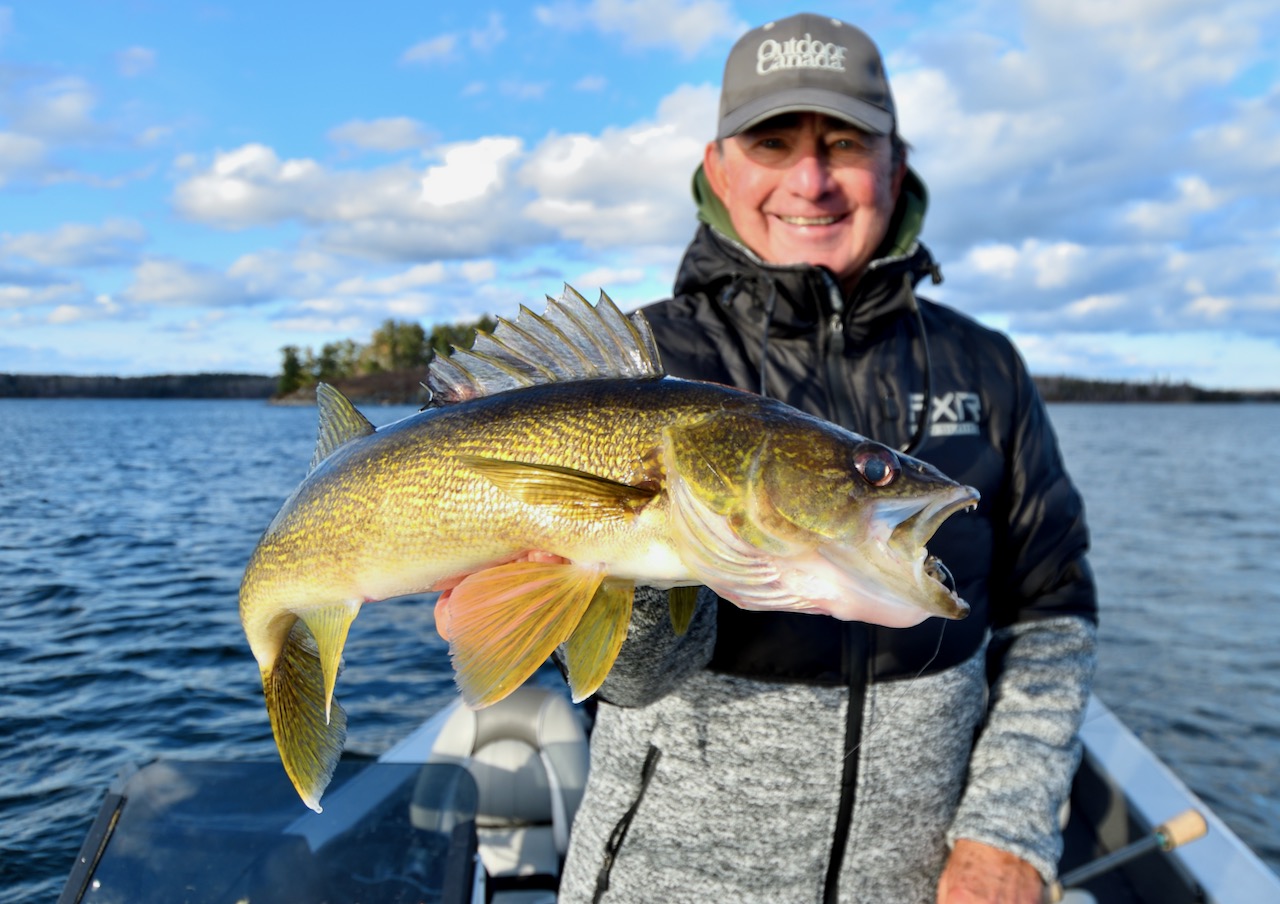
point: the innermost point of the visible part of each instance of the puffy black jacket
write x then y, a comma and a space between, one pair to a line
868, 361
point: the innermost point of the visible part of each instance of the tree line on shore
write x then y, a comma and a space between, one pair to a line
397, 346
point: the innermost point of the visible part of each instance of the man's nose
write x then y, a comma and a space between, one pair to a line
810, 175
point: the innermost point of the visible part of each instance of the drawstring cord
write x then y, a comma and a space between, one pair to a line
922, 424
769, 308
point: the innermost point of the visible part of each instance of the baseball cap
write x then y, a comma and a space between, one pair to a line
805, 62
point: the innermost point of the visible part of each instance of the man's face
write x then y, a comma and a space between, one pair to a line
806, 188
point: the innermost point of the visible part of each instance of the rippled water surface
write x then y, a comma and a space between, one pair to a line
125, 525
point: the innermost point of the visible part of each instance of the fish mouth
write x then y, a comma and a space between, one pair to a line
908, 538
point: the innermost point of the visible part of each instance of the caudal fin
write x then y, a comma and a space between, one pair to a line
308, 732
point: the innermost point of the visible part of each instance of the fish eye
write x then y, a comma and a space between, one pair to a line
878, 466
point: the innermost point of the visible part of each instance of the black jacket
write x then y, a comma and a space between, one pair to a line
867, 361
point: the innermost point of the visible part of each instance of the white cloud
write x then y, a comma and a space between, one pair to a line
607, 278
61, 109
471, 170
626, 186
433, 50
1044, 266
14, 296
414, 278
688, 26
103, 307
114, 241
21, 156
478, 271
391, 134
591, 83
135, 61
446, 48
1171, 218
171, 283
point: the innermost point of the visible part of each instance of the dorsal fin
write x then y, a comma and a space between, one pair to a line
340, 423
573, 340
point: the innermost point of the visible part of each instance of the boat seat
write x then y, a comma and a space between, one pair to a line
528, 755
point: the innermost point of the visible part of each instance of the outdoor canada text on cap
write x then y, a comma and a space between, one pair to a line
805, 62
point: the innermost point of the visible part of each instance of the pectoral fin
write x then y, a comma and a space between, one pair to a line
559, 486
682, 600
308, 733
505, 621
599, 635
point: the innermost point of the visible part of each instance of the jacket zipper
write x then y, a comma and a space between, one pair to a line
619, 833
841, 404
858, 653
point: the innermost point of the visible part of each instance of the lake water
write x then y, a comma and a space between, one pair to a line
125, 526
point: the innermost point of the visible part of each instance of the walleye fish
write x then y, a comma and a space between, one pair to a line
557, 468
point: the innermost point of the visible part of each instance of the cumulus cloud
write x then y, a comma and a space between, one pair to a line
391, 134
687, 26
474, 198
17, 296
1089, 173
1193, 196
114, 241
172, 283
627, 186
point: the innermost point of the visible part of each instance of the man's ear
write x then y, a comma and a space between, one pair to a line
713, 166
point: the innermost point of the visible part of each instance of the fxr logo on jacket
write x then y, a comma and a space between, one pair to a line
951, 414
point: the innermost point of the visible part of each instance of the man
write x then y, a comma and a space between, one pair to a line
779, 757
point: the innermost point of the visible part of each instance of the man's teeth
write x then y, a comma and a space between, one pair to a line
809, 221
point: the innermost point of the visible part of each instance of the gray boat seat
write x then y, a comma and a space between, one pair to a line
528, 755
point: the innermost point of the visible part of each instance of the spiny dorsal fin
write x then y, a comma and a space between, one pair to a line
340, 423
573, 340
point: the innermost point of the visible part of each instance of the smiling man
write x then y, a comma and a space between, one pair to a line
779, 757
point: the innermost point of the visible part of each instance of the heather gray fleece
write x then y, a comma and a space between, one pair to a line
743, 799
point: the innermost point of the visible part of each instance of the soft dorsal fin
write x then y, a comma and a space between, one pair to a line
572, 340
340, 423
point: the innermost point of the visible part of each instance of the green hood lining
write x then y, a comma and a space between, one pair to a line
904, 227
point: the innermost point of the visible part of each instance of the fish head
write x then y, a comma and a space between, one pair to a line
817, 518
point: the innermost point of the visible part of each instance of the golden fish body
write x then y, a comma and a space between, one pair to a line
542, 505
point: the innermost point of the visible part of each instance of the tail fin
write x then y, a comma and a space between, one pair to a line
309, 734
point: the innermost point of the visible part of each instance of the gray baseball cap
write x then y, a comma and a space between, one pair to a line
805, 62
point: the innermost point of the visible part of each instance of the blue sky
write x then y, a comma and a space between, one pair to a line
191, 186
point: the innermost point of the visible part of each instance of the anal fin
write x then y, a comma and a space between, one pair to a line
599, 635
329, 627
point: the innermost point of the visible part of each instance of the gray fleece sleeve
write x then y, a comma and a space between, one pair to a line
1024, 760
654, 660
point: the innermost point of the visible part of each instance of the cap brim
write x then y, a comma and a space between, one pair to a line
865, 116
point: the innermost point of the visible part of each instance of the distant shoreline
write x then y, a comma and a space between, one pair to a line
404, 388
